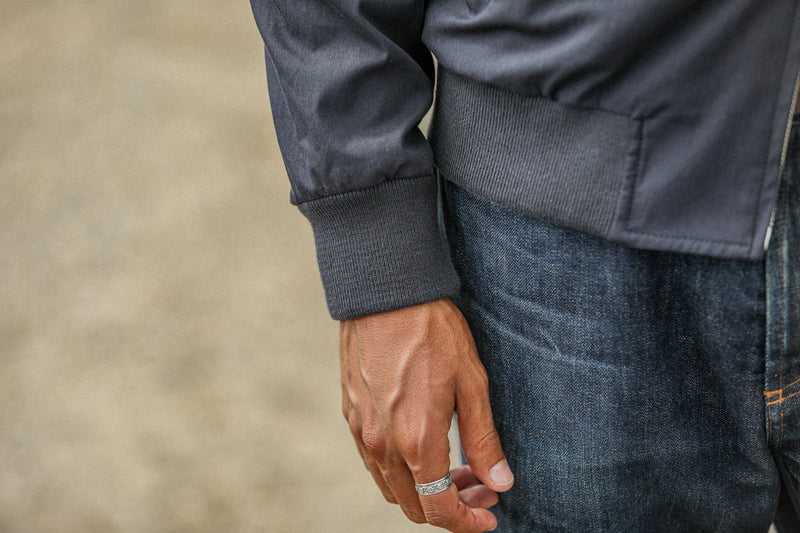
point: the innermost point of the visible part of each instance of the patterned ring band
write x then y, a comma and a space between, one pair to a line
429, 489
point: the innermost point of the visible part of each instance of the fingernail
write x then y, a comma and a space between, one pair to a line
501, 475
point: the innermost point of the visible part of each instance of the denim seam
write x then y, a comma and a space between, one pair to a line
771, 422
783, 392
776, 397
782, 340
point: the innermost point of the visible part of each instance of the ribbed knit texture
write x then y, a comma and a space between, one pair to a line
380, 248
544, 158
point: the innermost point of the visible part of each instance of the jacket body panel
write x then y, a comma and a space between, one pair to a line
709, 85
683, 105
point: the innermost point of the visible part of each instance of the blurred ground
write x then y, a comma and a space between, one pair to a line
166, 360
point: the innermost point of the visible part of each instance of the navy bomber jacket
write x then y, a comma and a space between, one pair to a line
658, 124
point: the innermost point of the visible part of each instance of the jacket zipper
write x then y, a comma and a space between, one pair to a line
784, 151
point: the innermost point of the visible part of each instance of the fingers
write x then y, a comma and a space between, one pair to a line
461, 512
403, 374
401, 483
447, 511
372, 464
406, 458
479, 439
463, 477
478, 496
470, 492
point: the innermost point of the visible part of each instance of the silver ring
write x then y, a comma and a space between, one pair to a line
429, 489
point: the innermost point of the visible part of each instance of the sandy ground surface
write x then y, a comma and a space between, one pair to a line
166, 360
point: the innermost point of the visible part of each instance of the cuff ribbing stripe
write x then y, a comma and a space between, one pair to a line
380, 248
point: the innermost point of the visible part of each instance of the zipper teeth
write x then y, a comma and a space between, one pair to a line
788, 130
784, 150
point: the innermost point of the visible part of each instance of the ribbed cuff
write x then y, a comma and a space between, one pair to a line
380, 248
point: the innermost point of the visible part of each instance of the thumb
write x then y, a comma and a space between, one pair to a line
479, 439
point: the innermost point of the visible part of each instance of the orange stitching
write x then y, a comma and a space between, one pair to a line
795, 382
782, 397
778, 391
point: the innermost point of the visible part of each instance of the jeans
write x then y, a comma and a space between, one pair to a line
636, 390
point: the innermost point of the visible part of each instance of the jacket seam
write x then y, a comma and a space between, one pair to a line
365, 189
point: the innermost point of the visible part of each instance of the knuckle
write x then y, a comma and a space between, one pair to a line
487, 441
411, 449
488, 438
374, 441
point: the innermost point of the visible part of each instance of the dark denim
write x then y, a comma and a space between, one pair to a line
636, 390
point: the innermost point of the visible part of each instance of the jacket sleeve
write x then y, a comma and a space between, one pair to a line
349, 81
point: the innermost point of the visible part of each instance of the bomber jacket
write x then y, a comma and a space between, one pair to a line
660, 124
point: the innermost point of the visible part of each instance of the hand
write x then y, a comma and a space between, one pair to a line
404, 373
